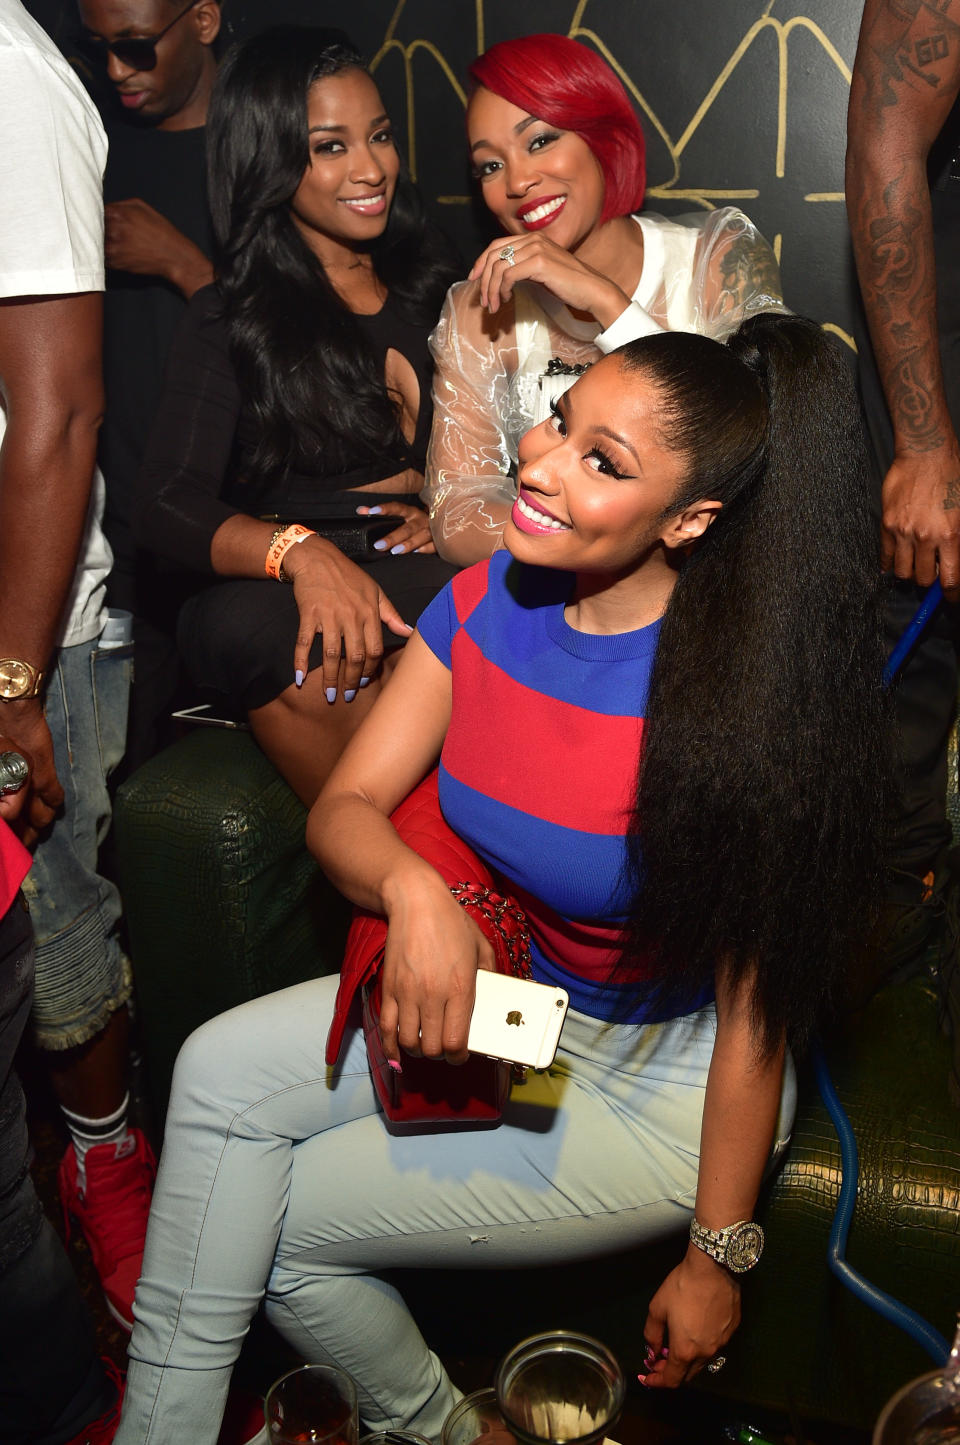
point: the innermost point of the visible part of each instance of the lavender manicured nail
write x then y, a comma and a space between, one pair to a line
374, 511
331, 694
380, 546
364, 682
298, 678
349, 694
400, 547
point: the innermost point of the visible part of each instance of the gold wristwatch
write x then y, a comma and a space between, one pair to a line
18, 679
738, 1247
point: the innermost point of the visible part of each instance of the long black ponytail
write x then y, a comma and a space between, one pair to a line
757, 842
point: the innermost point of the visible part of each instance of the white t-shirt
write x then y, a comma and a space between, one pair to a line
51, 228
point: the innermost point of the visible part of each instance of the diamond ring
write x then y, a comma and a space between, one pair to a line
715, 1366
506, 254
14, 772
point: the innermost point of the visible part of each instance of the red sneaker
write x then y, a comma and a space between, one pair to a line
112, 1213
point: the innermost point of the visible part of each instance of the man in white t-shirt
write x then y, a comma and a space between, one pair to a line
58, 704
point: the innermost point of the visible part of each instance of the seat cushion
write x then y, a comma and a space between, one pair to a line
223, 900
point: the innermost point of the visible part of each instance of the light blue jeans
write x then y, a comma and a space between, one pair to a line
83, 975
279, 1176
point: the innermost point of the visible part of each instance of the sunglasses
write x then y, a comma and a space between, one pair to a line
138, 52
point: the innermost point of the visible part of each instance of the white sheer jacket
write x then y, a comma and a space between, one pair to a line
705, 272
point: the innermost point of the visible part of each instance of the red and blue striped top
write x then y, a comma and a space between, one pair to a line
539, 767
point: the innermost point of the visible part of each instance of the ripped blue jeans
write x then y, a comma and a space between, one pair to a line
279, 1178
83, 975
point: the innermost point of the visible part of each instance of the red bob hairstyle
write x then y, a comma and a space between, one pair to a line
568, 85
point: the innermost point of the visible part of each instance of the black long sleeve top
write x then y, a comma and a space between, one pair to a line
192, 478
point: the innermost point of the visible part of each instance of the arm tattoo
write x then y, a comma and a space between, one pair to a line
932, 80
749, 269
906, 74
898, 288
930, 49
891, 60
892, 238
911, 403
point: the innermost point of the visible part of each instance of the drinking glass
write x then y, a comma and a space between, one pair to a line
559, 1388
925, 1411
393, 1437
477, 1417
313, 1405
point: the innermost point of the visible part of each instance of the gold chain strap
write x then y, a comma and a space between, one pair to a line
496, 908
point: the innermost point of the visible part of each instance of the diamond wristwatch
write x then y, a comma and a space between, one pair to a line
738, 1247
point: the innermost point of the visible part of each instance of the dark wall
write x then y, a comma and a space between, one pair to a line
743, 101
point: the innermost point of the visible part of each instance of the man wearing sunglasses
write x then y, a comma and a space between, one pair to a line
158, 56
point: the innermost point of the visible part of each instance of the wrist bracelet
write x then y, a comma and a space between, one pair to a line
280, 543
738, 1247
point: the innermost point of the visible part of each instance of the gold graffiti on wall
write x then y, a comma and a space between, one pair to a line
706, 197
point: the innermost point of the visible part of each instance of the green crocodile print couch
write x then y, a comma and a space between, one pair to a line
223, 902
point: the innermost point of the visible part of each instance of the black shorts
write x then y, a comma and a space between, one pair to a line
237, 638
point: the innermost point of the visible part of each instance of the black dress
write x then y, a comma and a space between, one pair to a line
237, 637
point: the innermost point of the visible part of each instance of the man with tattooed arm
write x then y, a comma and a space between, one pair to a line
903, 200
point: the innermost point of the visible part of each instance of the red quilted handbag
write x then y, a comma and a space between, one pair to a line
431, 1092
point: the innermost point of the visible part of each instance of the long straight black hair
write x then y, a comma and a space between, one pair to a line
304, 364
757, 843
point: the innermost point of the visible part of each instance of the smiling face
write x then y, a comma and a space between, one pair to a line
175, 93
596, 478
533, 176
347, 189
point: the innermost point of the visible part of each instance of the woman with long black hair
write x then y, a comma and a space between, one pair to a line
298, 388
659, 720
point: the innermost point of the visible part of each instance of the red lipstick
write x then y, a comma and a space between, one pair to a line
534, 215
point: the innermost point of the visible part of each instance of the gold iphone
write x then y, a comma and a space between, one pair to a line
516, 1019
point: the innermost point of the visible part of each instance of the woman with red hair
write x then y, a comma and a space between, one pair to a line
560, 157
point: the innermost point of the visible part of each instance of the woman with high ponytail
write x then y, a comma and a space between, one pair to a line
766, 720
659, 721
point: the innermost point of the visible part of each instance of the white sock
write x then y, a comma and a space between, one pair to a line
87, 1133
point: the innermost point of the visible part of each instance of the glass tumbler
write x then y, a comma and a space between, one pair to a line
393, 1437
560, 1387
477, 1417
313, 1405
925, 1411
